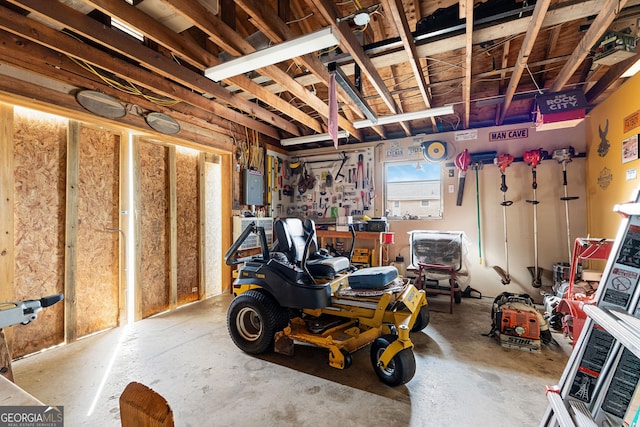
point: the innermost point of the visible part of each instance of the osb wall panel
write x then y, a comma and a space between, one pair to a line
97, 270
40, 159
154, 227
188, 225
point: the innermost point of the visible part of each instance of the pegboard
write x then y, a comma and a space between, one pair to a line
327, 186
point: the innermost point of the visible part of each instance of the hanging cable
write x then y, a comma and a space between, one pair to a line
534, 80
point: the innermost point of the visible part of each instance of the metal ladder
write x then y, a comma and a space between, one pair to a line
599, 385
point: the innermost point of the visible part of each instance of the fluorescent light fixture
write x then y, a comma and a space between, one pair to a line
405, 117
631, 71
313, 42
352, 91
312, 138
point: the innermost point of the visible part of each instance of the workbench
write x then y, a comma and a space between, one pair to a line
373, 236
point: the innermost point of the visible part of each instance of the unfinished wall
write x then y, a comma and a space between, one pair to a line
154, 229
40, 158
187, 200
97, 270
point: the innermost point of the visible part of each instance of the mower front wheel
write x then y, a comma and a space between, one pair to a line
253, 319
400, 369
422, 320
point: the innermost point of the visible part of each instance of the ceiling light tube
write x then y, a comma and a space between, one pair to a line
300, 46
405, 117
352, 91
312, 138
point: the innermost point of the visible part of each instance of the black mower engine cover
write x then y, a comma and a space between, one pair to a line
286, 282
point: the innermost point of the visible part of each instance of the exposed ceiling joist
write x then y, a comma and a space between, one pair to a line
399, 18
191, 52
466, 10
460, 53
236, 45
523, 56
598, 27
53, 39
278, 31
350, 44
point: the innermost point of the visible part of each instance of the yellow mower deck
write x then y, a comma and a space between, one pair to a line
367, 314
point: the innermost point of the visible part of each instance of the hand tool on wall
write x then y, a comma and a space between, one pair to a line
463, 160
533, 159
367, 182
329, 180
564, 156
504, 161
339, 176
274, 172
269, 179
360, 170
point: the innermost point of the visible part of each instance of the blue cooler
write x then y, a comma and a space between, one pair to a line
373, 277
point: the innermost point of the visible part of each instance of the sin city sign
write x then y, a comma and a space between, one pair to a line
509, 134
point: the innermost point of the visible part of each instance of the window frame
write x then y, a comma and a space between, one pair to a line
393, 213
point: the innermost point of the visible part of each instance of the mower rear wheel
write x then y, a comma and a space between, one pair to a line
422, 320
400, 369
253, 319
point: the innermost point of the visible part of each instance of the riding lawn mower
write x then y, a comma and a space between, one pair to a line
296, 292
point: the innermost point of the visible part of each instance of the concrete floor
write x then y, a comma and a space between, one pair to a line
462, 378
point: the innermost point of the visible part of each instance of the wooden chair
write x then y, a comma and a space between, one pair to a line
142, 407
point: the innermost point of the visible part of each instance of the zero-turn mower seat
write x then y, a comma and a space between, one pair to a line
321, 255
291, 237
285, 244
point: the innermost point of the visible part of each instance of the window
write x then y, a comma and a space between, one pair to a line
413, 190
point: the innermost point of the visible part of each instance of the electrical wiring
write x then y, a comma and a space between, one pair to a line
361, 29
533, 79
307, 16
130, 88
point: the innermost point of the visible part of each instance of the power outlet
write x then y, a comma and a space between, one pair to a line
451, 188
194, 289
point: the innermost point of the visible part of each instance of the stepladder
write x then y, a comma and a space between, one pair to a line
599, 385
